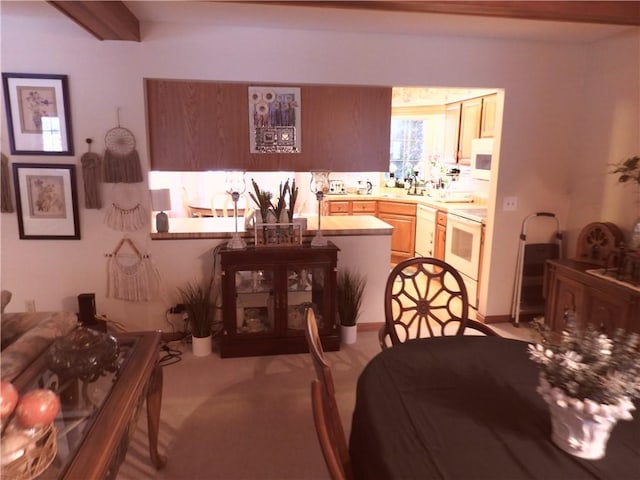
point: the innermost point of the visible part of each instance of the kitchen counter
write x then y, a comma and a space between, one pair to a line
224, 227
414, 199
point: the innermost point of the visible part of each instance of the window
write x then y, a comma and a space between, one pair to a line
417, 142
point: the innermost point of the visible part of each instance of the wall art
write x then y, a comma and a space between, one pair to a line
46, 201
38, 114
274, 120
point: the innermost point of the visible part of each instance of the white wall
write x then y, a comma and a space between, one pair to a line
549, 90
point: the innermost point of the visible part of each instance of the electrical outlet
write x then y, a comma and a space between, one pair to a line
510, 204
30, 305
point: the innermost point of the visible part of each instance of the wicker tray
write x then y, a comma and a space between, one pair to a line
38, 456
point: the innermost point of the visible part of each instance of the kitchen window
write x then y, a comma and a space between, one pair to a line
417, 141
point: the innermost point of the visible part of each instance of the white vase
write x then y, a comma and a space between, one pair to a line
582, 428
349, 334
201, 346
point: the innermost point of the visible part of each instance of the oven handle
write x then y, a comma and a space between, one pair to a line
466, 221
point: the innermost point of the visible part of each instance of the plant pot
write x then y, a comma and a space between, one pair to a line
201, 346
349, 334
581, 428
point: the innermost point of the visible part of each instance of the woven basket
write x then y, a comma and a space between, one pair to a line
38, 456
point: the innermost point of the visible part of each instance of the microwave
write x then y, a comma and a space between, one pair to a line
481, 153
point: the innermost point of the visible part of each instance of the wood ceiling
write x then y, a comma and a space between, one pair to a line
112, 20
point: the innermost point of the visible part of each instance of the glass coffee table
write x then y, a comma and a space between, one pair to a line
98, 415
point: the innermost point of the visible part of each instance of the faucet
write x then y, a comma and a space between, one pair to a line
413, 183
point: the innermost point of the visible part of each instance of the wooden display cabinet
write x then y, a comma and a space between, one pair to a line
604, 303
265, 292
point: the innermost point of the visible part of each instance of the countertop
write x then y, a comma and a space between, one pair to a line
395, 196
223, 227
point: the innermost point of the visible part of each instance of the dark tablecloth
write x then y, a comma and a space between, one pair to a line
464, 408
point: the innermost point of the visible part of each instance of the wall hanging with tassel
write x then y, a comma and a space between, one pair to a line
91, 164
121, 160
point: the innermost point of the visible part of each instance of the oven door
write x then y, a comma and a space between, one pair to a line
462, 251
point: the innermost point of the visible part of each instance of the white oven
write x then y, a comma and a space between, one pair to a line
462, 251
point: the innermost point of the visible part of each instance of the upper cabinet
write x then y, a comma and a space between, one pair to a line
464, 121
469, 128
488, 121
199, 126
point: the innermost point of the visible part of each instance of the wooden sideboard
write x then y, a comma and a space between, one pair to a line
605, 303
266, 291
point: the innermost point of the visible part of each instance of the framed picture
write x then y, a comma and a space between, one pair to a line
275, 120
46, 201
38, 114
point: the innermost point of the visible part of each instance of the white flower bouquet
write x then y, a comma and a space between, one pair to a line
588, 366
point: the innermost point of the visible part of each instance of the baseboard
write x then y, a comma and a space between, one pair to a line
370, 326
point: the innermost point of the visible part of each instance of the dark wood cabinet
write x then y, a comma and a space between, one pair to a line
602, 302
265, 292
200, 126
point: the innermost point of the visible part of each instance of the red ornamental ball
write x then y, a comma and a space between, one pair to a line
37, 408
8, 399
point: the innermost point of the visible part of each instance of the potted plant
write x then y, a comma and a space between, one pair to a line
629, 171
350, 288
197, 302
262, 199
589, 381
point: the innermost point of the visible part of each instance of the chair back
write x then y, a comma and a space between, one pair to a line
325, 406
327, 437
426, 297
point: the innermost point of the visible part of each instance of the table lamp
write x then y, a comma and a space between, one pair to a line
319, 185
160, 201
235, 186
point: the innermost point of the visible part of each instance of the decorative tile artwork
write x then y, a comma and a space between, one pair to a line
274, 120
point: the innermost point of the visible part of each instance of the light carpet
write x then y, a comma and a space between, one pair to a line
250, 418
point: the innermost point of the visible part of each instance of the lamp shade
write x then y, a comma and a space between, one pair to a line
161, 199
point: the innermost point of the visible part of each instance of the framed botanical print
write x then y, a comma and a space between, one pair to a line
46, 201
38, 114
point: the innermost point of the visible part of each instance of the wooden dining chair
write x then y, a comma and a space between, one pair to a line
331, 436
426, 297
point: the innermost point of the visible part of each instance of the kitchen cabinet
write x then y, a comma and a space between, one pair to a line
402, 216
441, 235
265, 292
465, 121
351, 207
201, 125
488, 118
605, 304
470, 115
451, 132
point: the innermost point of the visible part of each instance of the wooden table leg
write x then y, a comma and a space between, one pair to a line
154, 402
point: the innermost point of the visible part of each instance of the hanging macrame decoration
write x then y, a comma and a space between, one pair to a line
131, 276
121, 160
126, 219
6, 205
91, 177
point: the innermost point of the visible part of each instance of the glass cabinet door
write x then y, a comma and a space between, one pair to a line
254, 301
305, 288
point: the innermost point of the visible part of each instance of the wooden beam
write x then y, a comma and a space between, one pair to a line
604, 12
105, 20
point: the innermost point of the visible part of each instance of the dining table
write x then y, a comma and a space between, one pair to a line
466, 407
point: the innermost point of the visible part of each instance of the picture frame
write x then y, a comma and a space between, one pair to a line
46, 201
38, 114
275, 120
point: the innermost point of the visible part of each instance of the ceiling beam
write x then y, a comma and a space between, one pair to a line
604, 12
104, 20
